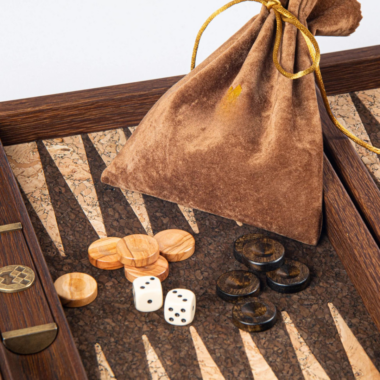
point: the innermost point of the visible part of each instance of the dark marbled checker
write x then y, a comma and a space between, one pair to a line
254, 316
235, 285
292, 277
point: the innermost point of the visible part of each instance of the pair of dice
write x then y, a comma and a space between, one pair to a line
179, 309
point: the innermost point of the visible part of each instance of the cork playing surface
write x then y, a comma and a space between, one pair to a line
110, 334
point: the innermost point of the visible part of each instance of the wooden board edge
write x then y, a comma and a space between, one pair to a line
125, 105
64, 332
351, 171
352, 241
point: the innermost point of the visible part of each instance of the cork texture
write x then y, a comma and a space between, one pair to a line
112, 322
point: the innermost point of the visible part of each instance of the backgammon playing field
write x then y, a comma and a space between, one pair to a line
323, 331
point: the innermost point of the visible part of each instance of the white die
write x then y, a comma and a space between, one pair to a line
180, 307
147, 293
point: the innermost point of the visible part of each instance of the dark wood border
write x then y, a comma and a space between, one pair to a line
352, 241
125, 105
352, 172
61, 359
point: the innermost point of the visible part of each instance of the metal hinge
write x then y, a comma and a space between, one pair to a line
10, 227
31, 339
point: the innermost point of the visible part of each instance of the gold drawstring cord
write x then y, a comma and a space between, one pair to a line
283, 14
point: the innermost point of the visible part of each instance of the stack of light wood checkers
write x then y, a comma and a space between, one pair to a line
142, 255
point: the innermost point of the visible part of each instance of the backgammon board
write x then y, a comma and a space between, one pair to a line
323, 332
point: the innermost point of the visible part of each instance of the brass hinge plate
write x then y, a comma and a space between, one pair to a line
31, 339
10, 227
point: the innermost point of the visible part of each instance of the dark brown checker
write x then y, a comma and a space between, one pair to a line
240, 242
254, 316
263, 254
236, 285
292, 277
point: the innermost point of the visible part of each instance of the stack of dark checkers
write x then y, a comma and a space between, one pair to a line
260, 255
263, 255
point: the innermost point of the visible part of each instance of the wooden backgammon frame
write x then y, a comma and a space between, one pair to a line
351, 199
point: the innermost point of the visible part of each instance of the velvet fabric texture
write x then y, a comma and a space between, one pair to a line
236, 138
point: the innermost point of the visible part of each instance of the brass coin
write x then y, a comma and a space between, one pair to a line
15, 278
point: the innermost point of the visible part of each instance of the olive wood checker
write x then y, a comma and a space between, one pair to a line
103, 255
175, 245
76, 289
255, 316
263, 254
234, 286
159, 269
137, 250
292, 277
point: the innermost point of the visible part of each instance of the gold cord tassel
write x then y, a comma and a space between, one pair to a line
283, 15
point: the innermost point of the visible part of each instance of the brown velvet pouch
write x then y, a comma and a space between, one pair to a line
236, 138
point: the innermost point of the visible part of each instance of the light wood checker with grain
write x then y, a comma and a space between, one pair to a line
159, 269
175, 245
103, 255
76, 289
137, 250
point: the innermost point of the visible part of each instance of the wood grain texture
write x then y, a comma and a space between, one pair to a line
351, 70
138, 250
103, 255
352, 241
125, 105
352, 172
61, 359
159, 269
175, 245
76, 289
80, 111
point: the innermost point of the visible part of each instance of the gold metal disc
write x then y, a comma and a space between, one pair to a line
15, 278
